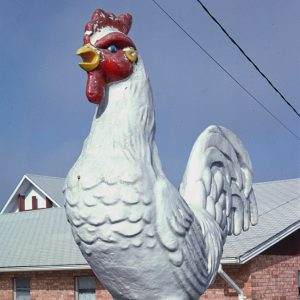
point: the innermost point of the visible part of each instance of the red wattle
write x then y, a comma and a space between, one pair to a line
95, 86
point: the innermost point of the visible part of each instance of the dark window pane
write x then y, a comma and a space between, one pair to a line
22, 288
86, 282
86, 288
23, 283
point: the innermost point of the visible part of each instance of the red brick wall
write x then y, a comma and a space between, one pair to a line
101, 293
266, 277
49, 285
275, 277
6, 286
220, 289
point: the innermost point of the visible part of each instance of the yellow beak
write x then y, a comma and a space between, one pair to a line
131, 54
90, 57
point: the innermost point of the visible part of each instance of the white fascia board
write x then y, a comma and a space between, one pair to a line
45, 268
41, 190
230, 261
269, 243
13, 194
262, 247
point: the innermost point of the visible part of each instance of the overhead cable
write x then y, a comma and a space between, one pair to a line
249, 59
227, 72
282, 204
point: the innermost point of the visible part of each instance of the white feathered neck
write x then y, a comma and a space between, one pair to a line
126, 113
121, 140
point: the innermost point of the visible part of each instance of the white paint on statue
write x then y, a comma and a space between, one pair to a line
142, 237
100, 34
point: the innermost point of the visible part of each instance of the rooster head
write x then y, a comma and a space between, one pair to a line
108, 54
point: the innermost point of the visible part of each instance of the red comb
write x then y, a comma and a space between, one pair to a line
101, 19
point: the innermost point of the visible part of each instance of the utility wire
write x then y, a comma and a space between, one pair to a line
227, 72
262, 214
249, 59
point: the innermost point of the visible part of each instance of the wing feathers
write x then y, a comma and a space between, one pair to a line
218, 178
182, 236
253, 208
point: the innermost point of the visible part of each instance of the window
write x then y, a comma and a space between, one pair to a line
21, 202
34, 203
48, 203
85, 288
21, 288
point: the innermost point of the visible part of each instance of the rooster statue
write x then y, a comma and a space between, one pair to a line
142, 237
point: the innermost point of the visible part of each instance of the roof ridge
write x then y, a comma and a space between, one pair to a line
256, 183
279, 180
47, 176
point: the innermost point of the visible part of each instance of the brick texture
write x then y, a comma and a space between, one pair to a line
275, 277
49, 285
220, 289
268, 277
6, 286
265, 277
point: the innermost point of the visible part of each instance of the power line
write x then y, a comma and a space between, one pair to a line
248, 58
279, 206
227, 72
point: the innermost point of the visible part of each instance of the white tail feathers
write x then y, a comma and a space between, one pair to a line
218, 178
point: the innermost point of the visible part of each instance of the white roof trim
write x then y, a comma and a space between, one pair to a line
262, 247
41, 190
45, 268
269, 243
13, 194
230, 261
18, 186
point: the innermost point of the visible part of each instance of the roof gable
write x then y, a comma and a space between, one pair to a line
50, 187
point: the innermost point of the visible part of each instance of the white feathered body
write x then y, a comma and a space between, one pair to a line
142, 240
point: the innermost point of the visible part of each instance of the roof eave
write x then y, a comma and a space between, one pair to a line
230, 261
45, 268
262, 247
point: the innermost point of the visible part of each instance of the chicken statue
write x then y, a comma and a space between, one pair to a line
142, 237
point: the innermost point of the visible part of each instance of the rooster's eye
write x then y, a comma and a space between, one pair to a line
112, 48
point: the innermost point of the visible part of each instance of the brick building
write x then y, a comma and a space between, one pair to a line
39, 259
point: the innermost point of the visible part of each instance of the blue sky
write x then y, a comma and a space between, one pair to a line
45, 115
